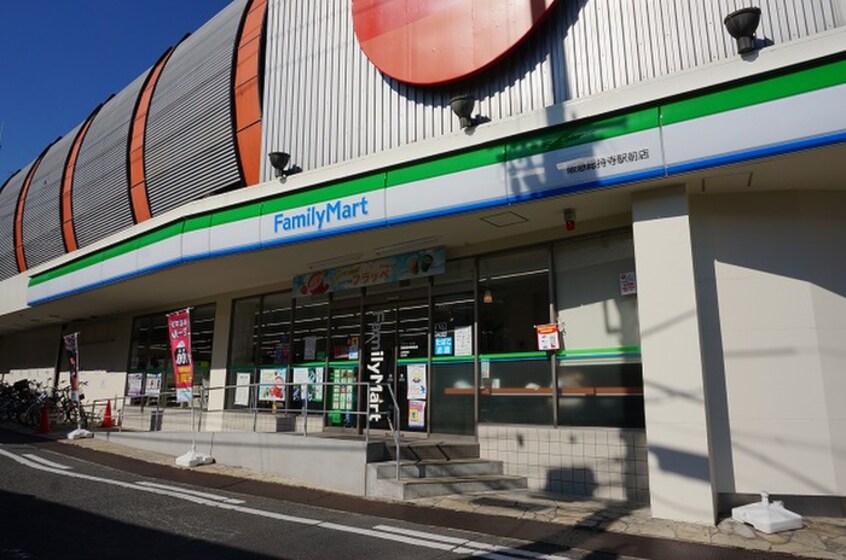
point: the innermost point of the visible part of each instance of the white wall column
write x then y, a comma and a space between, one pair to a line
220, 350
680, 480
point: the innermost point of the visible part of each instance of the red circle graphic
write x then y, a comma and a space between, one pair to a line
430, 42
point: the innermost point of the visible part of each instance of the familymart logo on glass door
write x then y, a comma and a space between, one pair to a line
351, 212
377, 361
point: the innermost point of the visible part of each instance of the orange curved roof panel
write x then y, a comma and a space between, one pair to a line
137, 176
20, 255
68, 233
247, 92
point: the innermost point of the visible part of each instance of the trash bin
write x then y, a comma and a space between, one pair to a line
156, 420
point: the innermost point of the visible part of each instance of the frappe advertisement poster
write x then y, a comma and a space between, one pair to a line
407, 266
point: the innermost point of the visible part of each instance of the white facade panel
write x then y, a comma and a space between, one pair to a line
120, 266
234, 236
763, 128
462, 191
161, 253
196, 244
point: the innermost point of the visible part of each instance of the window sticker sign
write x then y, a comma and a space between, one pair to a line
628, 283
416, 382
133, 388
416, 414
548, 338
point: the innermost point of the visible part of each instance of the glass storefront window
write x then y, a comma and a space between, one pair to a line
597, 394
310, 329
516, 377
600, 381
453, 365
275, 348
150, 349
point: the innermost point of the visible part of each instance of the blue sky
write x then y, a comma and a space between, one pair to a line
59, 59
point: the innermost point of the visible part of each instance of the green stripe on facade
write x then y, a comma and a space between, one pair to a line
761, 91
446, 165
599, 351
338, 190
583, 133
513, 356
229, 215
453, 359
196, 223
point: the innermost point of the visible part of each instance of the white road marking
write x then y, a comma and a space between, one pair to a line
45, 461
479, 547
192, 492
384, 532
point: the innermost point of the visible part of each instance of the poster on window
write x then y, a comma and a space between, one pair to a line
309, 382
416, 414
548, 338
242, 389
416, 382
310, 347
628, 283
134, 385
153, 385
179, 333
463, 341
272, 384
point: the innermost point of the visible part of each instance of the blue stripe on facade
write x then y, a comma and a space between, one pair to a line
758, 153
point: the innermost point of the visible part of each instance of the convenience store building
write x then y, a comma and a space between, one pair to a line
673, 210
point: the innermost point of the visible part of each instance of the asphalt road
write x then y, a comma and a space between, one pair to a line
56, 506
66, 501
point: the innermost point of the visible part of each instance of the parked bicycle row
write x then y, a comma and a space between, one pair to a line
28, 401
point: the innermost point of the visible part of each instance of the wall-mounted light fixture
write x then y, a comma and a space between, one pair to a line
462, 105
488, 296
742, 25
279, 162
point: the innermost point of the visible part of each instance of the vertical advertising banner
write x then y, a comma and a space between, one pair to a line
179, 333
72, 351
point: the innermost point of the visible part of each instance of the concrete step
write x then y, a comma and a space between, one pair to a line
408, 489
438, 469
429, 450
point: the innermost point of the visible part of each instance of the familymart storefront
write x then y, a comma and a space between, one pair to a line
539, 342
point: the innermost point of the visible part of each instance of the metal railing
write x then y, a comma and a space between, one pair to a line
256, 407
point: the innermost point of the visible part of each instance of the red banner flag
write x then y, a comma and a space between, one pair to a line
179, 332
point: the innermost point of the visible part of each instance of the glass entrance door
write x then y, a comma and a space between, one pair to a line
379, 347
396, 346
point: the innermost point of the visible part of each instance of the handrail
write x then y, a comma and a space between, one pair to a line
395, 425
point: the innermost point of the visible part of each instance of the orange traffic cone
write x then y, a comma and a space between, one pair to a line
44, 425
107, 416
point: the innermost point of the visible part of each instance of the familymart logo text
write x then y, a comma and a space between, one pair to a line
320, 215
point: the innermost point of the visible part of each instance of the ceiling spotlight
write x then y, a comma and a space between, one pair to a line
279, 162
742, 25
462, 106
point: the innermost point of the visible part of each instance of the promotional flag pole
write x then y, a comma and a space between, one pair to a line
71, 343
179, 332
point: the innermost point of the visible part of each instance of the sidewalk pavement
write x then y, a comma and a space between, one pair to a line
823, 538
